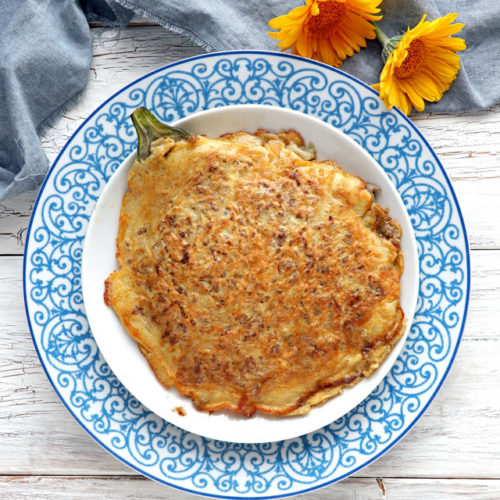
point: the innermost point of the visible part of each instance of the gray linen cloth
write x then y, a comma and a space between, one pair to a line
46, 50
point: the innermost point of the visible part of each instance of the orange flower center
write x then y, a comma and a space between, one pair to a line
329, 15
413, 59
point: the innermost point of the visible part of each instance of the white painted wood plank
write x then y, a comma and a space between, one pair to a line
459, 436
14, 220
91, 488
467, 144
479, 200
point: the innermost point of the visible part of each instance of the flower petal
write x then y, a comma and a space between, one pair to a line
431, 64
304, 48
340, 28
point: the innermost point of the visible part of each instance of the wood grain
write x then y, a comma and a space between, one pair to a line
452, 452
116, 488
459, 423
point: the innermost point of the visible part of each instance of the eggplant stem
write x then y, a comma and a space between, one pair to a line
149, 128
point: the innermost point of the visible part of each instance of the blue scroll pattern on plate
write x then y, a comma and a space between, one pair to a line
97, 398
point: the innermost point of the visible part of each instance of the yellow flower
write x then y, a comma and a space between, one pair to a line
423, 65
327, 30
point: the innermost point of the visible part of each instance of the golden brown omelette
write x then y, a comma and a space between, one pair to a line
252, 276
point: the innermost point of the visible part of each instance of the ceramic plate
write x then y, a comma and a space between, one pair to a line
120, 350
85, 382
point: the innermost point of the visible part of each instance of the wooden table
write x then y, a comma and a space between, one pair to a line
452, 452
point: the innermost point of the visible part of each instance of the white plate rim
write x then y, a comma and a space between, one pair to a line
209, 426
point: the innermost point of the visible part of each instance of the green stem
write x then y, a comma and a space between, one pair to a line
149, 128
381, 36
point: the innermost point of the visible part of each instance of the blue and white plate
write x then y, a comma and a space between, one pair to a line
84, 381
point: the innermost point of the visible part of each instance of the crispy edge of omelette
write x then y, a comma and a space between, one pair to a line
382, 223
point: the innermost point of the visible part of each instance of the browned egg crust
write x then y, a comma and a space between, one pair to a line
252, 276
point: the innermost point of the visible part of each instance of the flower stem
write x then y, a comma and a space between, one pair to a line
149, 128
381, 36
